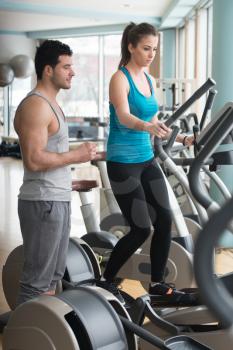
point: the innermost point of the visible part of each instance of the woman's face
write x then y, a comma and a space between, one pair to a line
144, 53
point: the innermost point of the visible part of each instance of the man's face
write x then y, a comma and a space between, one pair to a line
63, 72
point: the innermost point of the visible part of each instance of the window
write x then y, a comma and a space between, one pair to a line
181, 53
112, 48
82, 99
1, 110
95, 60
209, 39
190, 49
17, 91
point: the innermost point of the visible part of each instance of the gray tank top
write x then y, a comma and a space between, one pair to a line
55, 184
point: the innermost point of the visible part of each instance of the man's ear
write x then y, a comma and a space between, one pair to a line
48, 70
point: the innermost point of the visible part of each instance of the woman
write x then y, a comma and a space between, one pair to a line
134, 174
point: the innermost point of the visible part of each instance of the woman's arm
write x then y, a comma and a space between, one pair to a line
118, 93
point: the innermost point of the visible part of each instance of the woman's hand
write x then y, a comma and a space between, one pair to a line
159, 129
188, 140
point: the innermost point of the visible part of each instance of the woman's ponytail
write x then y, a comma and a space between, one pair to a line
125, 54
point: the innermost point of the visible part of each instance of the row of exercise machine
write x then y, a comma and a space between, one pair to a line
85, 316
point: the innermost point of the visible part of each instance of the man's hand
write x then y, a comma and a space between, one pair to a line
86, 152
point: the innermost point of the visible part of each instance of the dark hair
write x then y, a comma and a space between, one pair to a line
132, 35
48, 54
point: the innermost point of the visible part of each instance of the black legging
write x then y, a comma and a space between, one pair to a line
141, 193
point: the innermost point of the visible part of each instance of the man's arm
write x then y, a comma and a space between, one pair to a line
32, 123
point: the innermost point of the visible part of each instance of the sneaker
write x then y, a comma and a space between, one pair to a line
165, 294
112, 288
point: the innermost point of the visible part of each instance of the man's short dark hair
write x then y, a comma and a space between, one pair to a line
48, 54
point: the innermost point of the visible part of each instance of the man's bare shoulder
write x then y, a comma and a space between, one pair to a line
33, 104
33, 108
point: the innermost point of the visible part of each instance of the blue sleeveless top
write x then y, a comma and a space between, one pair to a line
127, 145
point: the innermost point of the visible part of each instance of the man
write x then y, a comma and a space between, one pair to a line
44, 198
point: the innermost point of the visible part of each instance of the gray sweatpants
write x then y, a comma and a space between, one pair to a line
45, 227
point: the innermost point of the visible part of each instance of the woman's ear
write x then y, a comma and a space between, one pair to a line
130, 48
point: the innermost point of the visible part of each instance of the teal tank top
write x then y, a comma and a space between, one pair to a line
127, 145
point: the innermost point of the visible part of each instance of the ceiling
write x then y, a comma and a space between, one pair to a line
32, 17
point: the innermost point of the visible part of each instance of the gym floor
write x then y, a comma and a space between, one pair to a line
11, 174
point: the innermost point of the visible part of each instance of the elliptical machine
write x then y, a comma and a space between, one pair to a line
180, 257
84, 317
198, 319
33, 322
112, 219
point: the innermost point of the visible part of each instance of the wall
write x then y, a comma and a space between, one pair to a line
12, 45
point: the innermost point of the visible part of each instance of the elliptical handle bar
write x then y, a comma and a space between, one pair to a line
171, 140
225, 125
195, 96
212, 290
208, 106
143, 333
